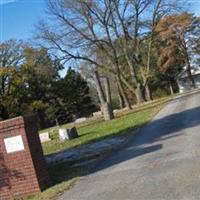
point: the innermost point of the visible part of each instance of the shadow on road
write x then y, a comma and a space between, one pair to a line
140, 144
159, 130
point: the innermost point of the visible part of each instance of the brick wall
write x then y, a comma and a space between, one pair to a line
23, 172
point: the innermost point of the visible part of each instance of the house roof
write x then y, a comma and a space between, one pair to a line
184, 74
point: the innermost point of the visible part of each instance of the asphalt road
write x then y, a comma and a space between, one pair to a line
161, 163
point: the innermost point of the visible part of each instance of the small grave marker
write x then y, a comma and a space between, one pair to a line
44, 137
72, 134
67, 134
80, 120
116, 111
97, 114
63, 134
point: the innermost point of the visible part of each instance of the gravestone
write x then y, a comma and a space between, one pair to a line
81, 120
44, 137
67, 134
63, 134
116, 111
22, 165
72, 134
97, 114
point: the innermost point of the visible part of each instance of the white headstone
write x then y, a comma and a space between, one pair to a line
63, 134
116, 111
80, 120
97, 114
44, 137
14, 144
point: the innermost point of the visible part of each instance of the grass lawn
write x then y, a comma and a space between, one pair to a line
101, 130
96, 130
63, 176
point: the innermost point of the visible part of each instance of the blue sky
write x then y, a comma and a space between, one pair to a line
18, 17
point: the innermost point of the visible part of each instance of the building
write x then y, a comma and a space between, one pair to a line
184, 82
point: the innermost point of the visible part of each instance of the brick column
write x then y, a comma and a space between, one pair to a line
22, 165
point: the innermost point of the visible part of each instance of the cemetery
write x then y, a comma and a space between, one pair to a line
95, 129
78, 149
94, 90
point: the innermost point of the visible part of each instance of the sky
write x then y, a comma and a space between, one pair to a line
19, 17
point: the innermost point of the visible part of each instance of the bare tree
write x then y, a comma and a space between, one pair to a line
83, 30
97, 24
113, 28
125, 26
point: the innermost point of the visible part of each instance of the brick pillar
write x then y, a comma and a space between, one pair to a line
22, 165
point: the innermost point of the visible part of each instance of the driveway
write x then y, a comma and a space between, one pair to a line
162, 162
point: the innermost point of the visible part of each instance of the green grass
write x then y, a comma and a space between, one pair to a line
97, 130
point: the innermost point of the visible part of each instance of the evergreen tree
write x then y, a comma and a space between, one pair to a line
70, 98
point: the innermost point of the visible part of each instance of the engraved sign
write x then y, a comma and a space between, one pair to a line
14, 144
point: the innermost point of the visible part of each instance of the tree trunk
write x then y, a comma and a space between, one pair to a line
139, 94
136, 83
107, 91
148, 94
107, 111
4, 113
192, 83
43, 123
187, 59
99, 88
128, 85
105, 106
121, 100
123, 93
171, 88
138, 90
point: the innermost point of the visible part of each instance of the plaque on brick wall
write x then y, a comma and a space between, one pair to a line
14, 144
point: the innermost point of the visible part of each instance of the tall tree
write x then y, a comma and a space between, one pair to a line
183, 29
114, 29
26, 76
38, 71
81, 40
168, 64
11, 55
87, 26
